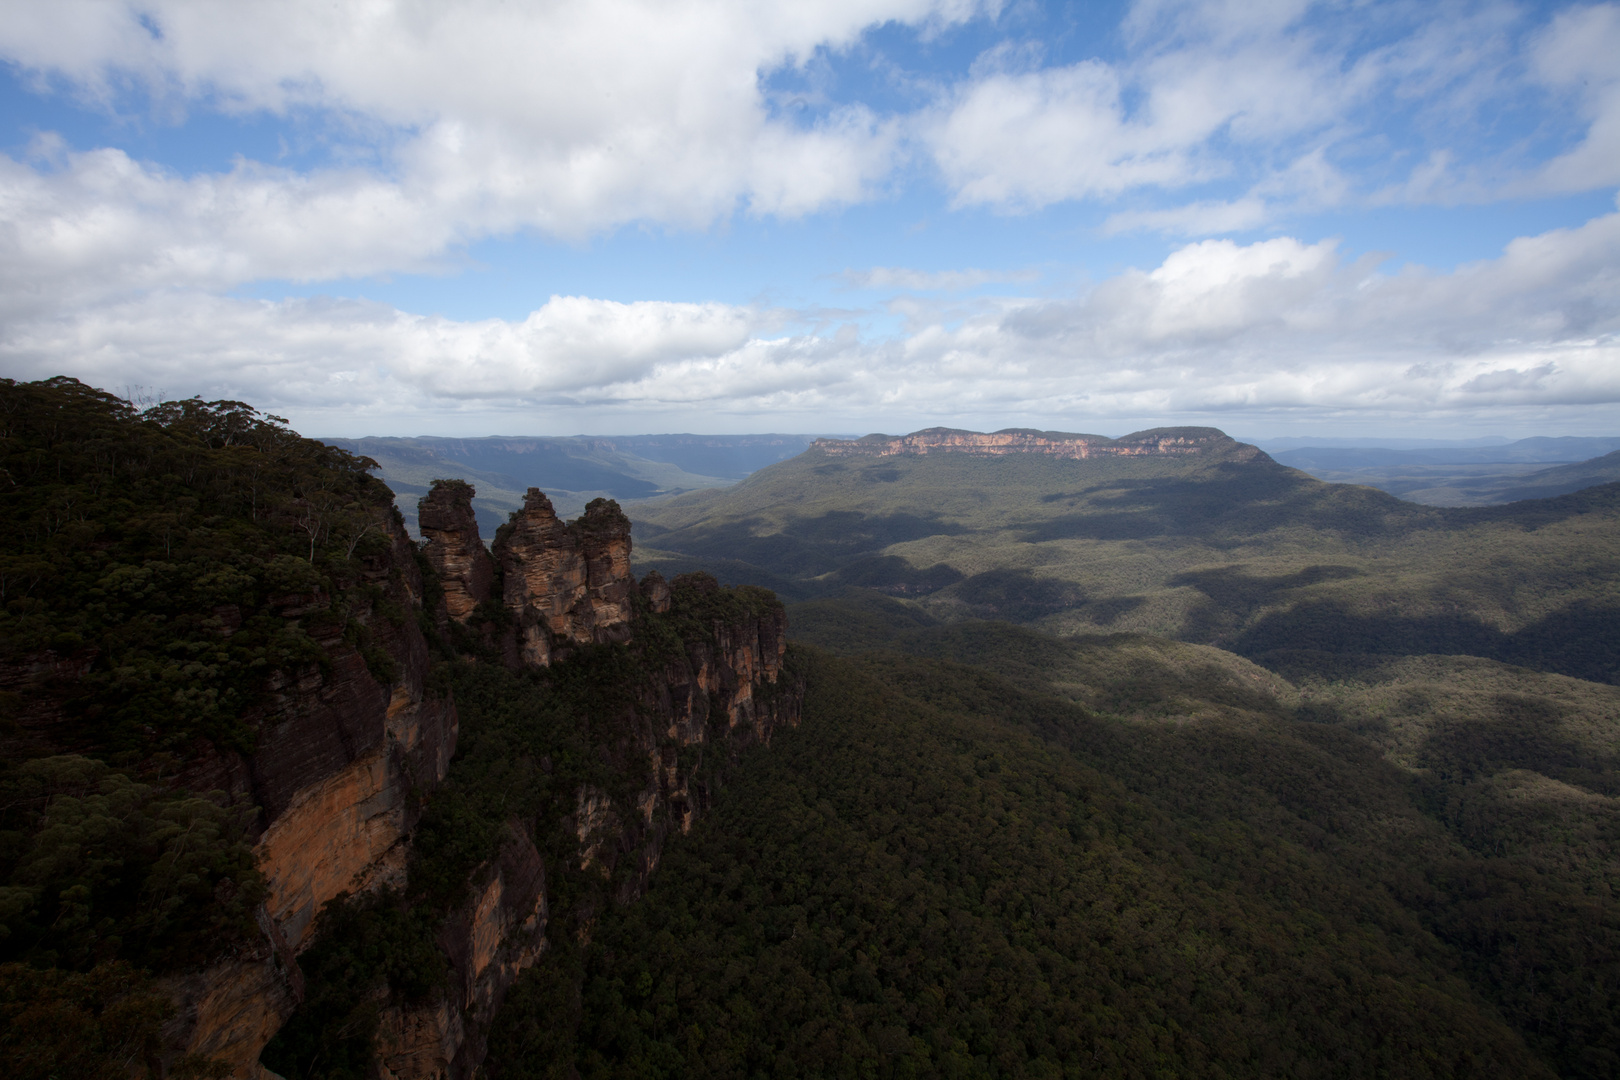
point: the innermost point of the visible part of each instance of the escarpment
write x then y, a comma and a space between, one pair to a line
231, 694
216, 665
1172, 442
657, 687
345, 746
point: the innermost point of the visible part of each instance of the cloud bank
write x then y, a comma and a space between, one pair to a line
428, 128
1268, 329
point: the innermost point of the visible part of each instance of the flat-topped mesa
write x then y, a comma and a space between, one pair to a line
1178, 441
565, 582
453, 547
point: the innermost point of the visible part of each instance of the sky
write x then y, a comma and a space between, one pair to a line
1280, 218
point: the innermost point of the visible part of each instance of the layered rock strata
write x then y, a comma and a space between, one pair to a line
1158, 441
453, 548
337, 759
565, 583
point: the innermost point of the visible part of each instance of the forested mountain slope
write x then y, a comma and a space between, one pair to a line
1221, 545
1202, 871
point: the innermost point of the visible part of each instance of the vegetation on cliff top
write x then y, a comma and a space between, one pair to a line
135, 541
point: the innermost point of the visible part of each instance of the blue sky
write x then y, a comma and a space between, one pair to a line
1278, 218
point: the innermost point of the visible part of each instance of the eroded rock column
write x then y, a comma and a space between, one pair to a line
454, 548
565, 583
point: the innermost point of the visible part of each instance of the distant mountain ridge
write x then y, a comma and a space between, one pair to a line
1059, 444
1538, 450
1538, 468
574, 469
1182, 533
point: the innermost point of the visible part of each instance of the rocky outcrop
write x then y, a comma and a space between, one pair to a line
1179, 442
492, 939
338, 757
723, 689
727, 691
656, 590
453, 548
342, 758
565, 583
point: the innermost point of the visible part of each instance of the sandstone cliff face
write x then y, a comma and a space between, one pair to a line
497, 934
337, 757
724, 683
452, 546
565, 582
728, 688
727, 691
1159, 441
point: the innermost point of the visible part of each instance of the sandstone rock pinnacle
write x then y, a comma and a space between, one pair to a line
565, 582
454, 548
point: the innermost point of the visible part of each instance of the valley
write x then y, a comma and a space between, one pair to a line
1220, 546
1026, 754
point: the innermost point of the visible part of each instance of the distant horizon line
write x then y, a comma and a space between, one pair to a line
1359, 442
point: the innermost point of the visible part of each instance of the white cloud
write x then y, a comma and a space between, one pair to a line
1279, 327
488, 117
1577, 54
465, 121
1247, 74
1289, 100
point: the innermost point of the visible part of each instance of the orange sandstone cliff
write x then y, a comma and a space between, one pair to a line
338, 755
565, 584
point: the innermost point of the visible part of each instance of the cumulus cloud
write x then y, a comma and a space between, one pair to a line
1248, 74
1303, 104
452, 123
1577, 55
467, 120
1218, 328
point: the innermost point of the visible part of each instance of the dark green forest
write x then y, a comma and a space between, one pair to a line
945, 872
130, 537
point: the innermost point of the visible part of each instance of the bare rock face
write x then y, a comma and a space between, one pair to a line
656, 590
454, 549
497, 934
727, 692
565, 583
337, 758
